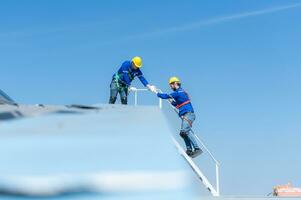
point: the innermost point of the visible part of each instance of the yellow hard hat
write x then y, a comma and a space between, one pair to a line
137, 61
174, 79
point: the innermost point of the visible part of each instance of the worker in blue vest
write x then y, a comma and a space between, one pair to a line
181, 100
121, 80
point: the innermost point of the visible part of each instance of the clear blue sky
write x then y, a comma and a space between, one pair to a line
239, 59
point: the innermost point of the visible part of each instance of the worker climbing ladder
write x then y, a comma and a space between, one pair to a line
215, 191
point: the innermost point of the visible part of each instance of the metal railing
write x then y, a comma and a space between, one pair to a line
214, 191
135, 91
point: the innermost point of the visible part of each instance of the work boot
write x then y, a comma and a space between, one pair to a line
124, 101
112, 100
197, 152
189, 152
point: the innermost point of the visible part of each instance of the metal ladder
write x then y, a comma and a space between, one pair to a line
215, 191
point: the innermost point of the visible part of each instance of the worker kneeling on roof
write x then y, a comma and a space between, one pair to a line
121, 81
181, 100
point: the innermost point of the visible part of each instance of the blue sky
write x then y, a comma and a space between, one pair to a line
239, 59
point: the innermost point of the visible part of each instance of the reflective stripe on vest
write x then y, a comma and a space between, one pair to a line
183, 104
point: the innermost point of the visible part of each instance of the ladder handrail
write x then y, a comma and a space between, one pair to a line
196, 169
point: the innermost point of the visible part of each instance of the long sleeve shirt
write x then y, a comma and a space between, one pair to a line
181, 101
126, 74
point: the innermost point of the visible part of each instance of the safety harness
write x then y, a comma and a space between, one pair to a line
118, 80
186, 102
183, 104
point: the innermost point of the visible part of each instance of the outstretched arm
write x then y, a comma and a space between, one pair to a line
143, 80
152, 88
170, 97
164, 96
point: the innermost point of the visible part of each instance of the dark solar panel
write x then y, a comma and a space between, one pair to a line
5, 99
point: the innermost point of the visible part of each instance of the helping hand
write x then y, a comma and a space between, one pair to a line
152, 88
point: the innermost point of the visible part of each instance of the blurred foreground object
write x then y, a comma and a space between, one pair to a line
287, 191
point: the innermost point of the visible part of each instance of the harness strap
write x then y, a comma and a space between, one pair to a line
130, 75
189, 121
118, 80
118, 77
183, 104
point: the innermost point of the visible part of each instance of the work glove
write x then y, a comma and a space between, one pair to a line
152, 88
156, 90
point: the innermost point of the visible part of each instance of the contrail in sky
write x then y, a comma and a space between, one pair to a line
216, 20
159, 32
